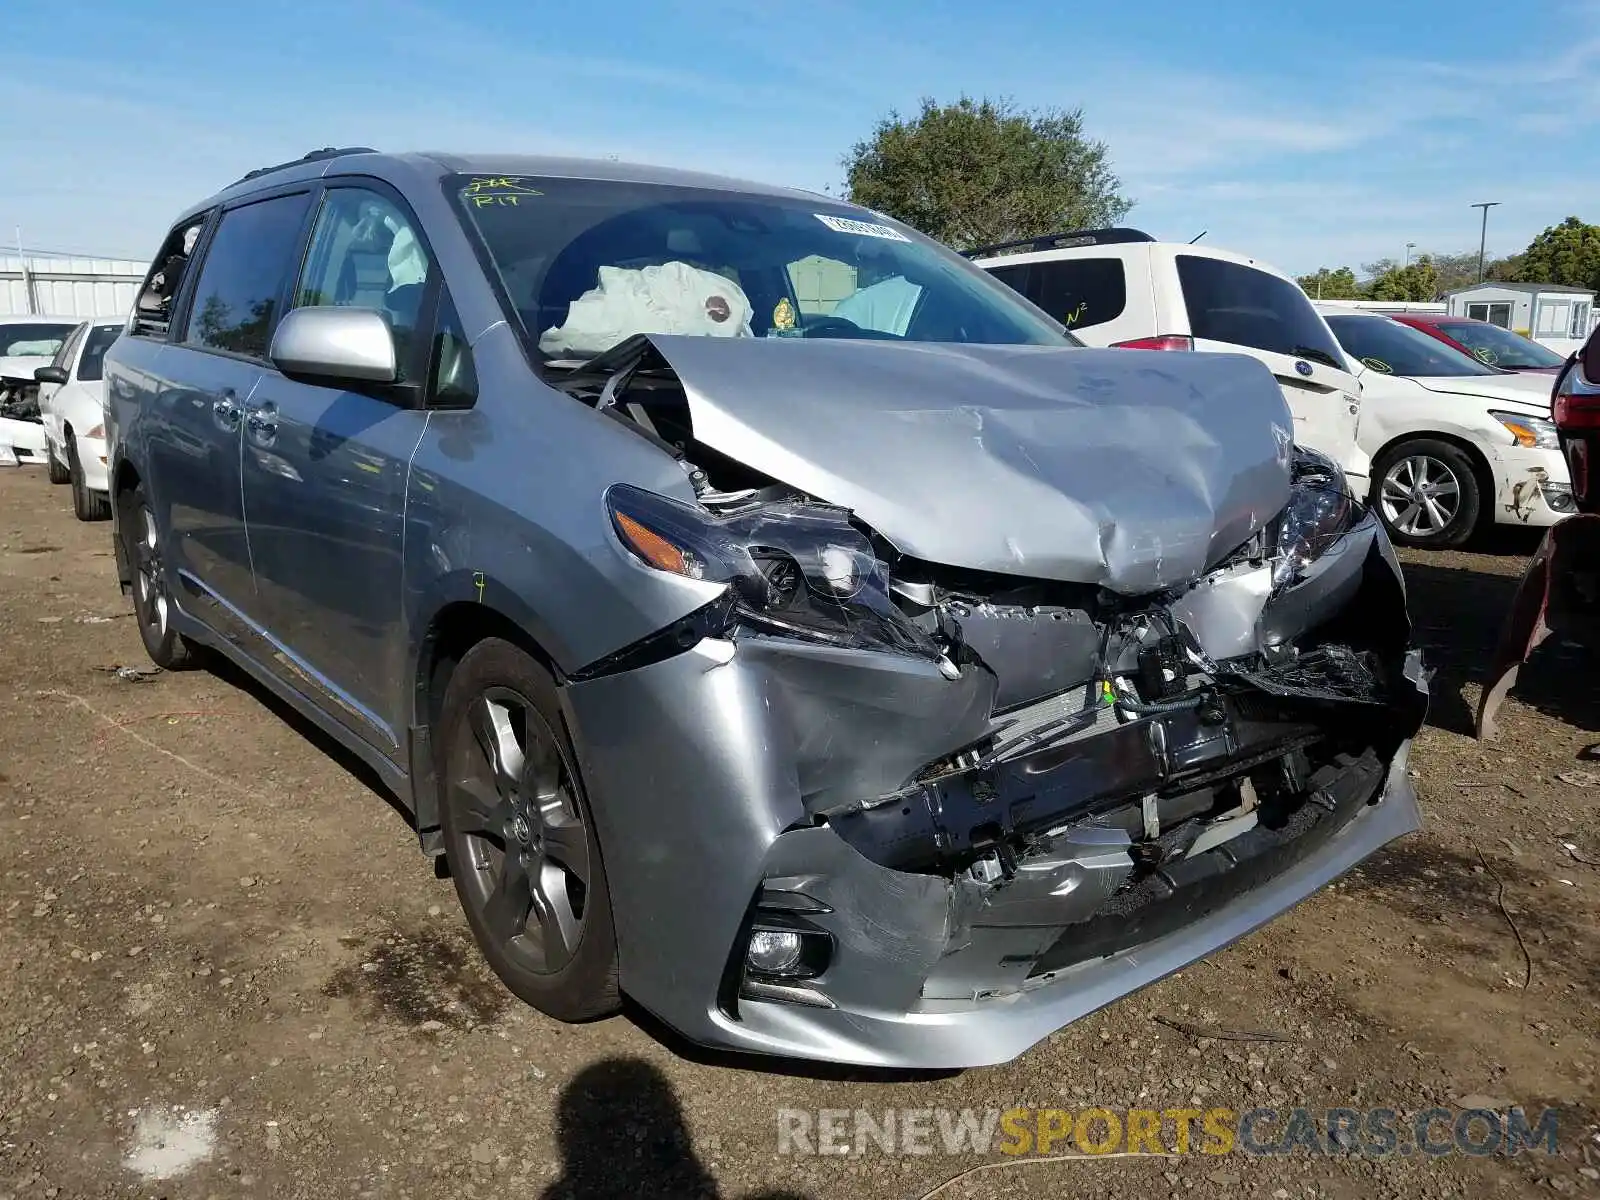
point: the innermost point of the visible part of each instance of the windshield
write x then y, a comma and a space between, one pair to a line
92, 364
588, 263
1391, 348
28, 339
1499, 347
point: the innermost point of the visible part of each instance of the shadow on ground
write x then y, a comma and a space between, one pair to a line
1458, 614
225, 670
621, 1133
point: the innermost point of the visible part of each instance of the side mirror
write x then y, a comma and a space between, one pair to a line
1589, 357
51, 374
336, 345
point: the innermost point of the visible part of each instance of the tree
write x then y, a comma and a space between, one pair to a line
1338, 284
1566, 253
1418, 280
982, 171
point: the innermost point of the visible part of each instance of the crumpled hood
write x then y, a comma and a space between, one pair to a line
22, 366
1526, 392
1134, 470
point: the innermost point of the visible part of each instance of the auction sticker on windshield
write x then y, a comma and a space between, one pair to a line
863, 228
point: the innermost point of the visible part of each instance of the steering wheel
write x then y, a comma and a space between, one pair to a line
828, 326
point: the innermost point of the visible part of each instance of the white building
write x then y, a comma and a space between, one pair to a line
1552, 314
63, 286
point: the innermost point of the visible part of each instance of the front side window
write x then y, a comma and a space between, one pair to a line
1234, 303
92, 365
1080, 292
1499, 347
33, 339
586, 264
366, 253
243, 275
1391, 348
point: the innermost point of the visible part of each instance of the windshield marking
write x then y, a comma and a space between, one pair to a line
863, 228
504, 190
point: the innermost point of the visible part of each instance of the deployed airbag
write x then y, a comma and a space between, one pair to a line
671, 298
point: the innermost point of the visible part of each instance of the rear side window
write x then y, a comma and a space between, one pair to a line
1080, 292
244, 273
92, 365
153, 311
1230, 302
1014, 277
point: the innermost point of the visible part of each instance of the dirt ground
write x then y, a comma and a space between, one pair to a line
222, 959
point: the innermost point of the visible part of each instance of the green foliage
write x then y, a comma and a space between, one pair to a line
982, 171
1567, 253
1338, 284
1418, 280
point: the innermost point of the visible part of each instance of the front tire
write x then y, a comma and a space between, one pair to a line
520, 839
58, 473
152, 602
1427, 494
86, 505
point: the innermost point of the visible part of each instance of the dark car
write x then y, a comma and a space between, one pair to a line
1486, 342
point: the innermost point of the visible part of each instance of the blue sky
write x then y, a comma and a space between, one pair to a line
1303, 134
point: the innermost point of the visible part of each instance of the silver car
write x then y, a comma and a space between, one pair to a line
765, 612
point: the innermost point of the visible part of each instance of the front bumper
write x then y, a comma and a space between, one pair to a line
720, 781
1531, 487
24, 437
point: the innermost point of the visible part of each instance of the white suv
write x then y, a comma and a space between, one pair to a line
1121, 287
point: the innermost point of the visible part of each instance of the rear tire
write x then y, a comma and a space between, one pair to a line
152, 602
1427, 493
519, 836
58, 473
86, 505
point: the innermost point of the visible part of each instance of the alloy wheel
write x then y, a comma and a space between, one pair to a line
149, 578
513, 801
1420, 496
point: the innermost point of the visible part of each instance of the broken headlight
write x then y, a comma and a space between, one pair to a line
796, 568
1320, 511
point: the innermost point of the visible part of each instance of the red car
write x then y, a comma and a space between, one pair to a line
1487, 343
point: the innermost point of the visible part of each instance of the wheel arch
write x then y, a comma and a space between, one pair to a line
468, 609
124, 478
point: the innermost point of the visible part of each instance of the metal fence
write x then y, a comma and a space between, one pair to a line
61, 285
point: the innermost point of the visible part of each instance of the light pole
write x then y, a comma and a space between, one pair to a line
1483, 234
1410, 246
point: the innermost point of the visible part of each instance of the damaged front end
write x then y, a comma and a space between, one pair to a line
913, 815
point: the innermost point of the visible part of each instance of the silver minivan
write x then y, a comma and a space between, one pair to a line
763, 611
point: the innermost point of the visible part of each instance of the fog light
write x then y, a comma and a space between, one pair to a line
773, 951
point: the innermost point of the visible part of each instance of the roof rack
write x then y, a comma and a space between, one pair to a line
313, 156
1060, 241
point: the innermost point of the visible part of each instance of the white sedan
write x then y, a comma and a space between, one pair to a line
1454, 443
72, 404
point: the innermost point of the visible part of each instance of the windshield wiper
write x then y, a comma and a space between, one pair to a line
1321, 356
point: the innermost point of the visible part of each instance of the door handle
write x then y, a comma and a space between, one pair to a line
226, 409
263, 420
